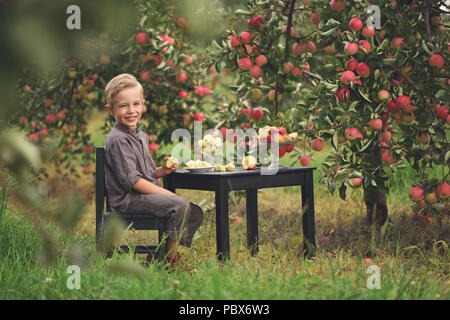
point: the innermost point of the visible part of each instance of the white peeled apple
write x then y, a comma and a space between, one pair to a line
293, 135
219, 168
230, 167
170, 162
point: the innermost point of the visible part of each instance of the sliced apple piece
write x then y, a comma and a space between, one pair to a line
249, 163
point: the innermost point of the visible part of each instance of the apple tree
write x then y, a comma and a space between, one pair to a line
57, 106
371, 79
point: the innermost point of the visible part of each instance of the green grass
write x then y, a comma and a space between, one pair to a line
416, 264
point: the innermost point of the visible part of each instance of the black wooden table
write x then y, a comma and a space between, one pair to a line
250, 181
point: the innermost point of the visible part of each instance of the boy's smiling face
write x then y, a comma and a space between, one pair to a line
127, 106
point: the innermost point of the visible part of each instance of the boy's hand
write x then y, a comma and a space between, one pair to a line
171, 169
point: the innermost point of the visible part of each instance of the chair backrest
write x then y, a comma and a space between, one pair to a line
100, 190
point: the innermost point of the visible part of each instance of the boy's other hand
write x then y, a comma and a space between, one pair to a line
167, 170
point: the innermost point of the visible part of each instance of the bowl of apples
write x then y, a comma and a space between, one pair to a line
284, 139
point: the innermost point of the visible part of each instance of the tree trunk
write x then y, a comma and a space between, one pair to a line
375, 200
376, 206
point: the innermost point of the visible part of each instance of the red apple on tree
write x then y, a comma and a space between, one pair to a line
198, 116
376, 124
416, 194
383, 95
363, 70
255, 71
189, 59
388, 158
352, 134
443, 190
436, 61
287, 67
260, 60
431, 197
245, 63
368, 32
271, 95
442, 112
247, 112
310, 46
297, 48
305, 161
245, 37
397, 43
393, 107
43, 132
348, 76
355, 24
296, 71
141, 38
257, 114
317, 144
403, 101
365, 45
50, 118
61, 115
386, 136
338, 5
343, 94
33, 137
316, 18
351, 48
351, 64
356, 182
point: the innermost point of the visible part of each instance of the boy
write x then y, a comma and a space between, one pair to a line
131, 175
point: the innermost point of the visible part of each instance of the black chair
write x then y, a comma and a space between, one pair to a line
137, 221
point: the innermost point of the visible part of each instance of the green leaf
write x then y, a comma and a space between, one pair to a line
329, 32
241, 12
440, 94
331, 187
440, 133
216, 45
367, 145
342, 191
334, 141
425, 47
365, 96
142, 22
355, 174
332, 23
383, 45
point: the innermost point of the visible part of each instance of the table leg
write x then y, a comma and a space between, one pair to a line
167, 183
252, 220
222, 224
308, 216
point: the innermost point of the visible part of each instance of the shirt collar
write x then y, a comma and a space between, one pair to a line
125, 129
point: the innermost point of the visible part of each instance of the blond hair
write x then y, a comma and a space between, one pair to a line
118, 83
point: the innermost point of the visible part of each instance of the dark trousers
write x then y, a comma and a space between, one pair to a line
184, 217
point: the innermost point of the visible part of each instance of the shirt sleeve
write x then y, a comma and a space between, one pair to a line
124, 163
149, 154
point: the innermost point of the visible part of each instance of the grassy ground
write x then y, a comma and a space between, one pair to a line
414, 259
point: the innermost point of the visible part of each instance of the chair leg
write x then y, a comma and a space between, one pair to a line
162, 240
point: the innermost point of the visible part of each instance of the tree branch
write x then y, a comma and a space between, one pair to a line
312, 75
406, 77
426, 14
291, 5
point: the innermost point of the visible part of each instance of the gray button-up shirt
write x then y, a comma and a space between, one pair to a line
128, 159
